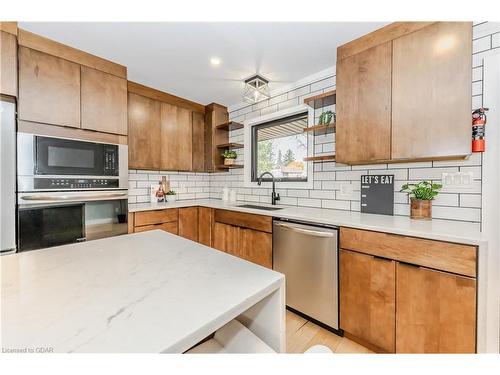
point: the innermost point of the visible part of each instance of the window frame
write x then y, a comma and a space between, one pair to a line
250, 151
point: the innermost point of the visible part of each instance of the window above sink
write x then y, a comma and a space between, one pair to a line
278, 144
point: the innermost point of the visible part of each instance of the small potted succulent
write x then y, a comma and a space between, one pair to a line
171, 196
421, 196
229, 157
327, 118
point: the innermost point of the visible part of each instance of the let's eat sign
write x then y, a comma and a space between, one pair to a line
377, 194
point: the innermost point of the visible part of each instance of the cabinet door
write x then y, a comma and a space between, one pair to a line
225, 238
167, 227
188, 223
49, 89
198, 141
255, 246
363, 103
144, 134
176, 138
431, 93
367, 299
8, 64
104, 102
436, 311
205, 221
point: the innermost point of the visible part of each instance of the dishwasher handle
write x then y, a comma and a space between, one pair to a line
309, 232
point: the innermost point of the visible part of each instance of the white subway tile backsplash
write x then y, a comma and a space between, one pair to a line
430, 173
470, 200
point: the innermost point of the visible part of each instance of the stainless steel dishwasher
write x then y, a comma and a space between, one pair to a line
307, 255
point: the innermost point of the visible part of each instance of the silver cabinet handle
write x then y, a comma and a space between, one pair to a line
56, 198
305, 231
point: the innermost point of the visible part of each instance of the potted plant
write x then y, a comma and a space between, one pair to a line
326, 118
421, 196
171, 196
229, 157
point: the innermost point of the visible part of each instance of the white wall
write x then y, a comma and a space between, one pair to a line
328, 177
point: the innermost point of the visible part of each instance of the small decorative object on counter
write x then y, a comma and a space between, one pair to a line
232, 196
229, 157
160, 193
225, 194
421, 196
171, 196
165, 183
326, 118
478, 129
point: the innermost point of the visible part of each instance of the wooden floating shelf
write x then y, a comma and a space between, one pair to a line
231, 125
320, 158
317, 128
230, 145
324, 95
234, 166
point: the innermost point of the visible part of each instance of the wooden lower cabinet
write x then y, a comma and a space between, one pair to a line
436, 311
205, 222
255, 246
167, 227
367, 299
225, 237
188, 223
252, 245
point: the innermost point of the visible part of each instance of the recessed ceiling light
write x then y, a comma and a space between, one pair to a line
215, 61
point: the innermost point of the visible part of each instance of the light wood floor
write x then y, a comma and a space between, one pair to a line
301, 334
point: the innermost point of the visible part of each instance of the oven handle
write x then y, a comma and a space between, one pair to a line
59, 198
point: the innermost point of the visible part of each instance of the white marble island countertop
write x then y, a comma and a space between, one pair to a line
143, 292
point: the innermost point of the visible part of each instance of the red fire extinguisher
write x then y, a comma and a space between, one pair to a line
478, 129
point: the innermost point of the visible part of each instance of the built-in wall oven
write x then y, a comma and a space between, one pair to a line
69, 191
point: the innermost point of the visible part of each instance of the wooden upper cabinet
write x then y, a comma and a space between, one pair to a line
368, 299
198, 141
104, 101
8, 64
49, 89
176, 138
431, 92
144, 132
363, 104
436, 311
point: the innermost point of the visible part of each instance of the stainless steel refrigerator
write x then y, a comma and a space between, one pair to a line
7, 175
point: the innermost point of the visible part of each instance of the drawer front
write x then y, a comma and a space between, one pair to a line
445, 256
257, 222
156, 217
167, 227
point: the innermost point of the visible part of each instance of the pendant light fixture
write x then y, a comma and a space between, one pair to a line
256, 89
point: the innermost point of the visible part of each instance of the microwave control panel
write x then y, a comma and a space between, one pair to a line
75, 183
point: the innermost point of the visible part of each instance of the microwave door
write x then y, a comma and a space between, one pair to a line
57, 156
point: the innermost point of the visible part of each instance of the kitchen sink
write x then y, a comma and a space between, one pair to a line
259, 207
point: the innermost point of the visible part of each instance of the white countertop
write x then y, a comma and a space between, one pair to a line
143, 292
442, 230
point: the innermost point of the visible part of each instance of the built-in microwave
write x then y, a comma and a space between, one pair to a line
58, 164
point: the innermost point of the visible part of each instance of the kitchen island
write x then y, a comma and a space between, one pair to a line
145, 292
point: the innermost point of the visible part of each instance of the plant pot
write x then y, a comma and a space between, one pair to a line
421, 209
229, 161
171, 198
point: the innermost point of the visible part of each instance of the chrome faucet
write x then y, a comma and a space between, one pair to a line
274, 197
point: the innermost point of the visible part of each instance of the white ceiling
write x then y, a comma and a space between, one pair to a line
175, 57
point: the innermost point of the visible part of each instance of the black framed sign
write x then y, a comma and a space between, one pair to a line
377, 194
